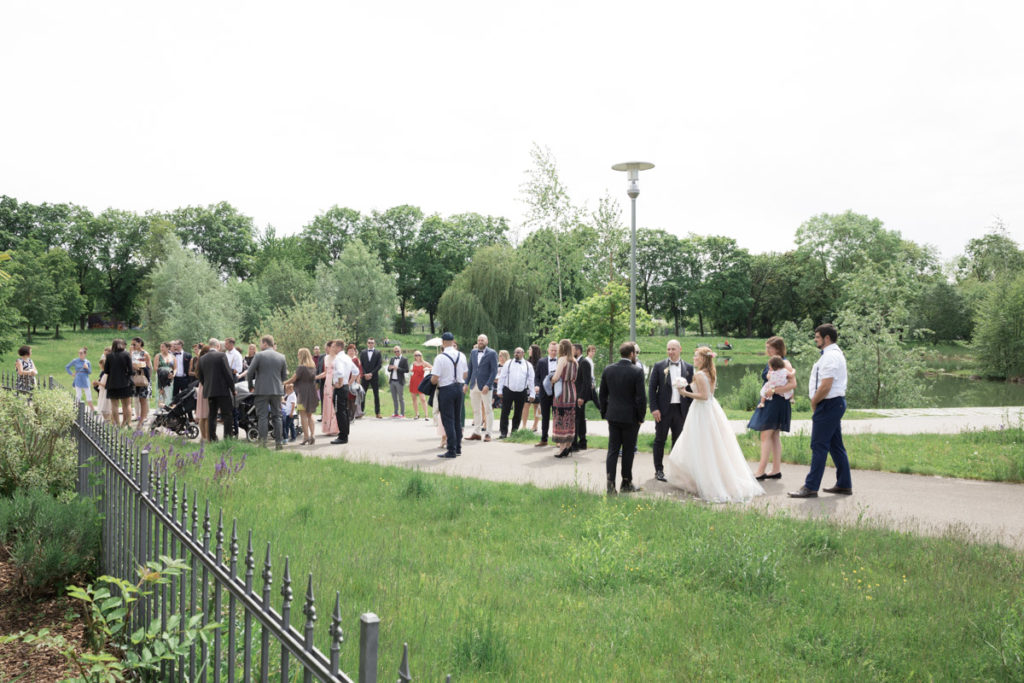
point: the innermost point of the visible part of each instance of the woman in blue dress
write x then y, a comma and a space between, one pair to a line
773, 418
80, 368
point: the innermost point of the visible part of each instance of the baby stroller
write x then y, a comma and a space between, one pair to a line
248, 421
177, 417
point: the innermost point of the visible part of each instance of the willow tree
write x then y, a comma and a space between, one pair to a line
491, 296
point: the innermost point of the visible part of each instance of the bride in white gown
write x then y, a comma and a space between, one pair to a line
706, 460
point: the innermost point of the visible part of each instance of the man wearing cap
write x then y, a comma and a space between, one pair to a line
449, 375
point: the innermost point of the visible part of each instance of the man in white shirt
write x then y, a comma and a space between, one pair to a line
234, 356
345, 372
515, 385
827, 389
450, 369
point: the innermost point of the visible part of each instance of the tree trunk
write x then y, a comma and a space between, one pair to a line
430, 314
401, 325
675, 319
56, 332
700, 320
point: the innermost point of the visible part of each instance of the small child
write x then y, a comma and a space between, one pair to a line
777, 377
288, 414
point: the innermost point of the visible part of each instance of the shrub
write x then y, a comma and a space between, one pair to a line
35, 449
746, 395
49, 541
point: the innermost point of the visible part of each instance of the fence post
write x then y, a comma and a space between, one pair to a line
369, 633
83, 476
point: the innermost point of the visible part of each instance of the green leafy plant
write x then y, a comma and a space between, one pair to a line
108, 607
35, 449
49, 541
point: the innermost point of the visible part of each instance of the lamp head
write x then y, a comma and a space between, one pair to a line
632, 169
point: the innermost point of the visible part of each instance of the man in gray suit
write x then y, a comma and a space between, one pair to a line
267, 372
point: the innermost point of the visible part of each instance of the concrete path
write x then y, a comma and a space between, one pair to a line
979, 511
896, 421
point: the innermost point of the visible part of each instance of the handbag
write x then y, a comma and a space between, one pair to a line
139, 379
427, 385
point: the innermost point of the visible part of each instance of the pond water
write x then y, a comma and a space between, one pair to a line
942, 391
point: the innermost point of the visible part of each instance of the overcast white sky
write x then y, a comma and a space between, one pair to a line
757, 115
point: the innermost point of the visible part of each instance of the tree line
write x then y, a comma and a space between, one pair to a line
210, 267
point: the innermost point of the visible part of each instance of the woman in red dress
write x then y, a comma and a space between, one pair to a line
419, 368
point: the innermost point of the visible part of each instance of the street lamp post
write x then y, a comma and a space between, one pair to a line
633, 169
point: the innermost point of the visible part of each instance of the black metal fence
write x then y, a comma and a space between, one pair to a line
147, 516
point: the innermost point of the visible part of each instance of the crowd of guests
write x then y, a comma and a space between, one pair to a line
550, 387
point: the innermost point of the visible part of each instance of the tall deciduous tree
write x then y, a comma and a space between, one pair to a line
220, 233
999, 328
882, 372
392, 236
187, 299
34, 292
328, 234
120, 239
491, 296
68, 302
602, 319
548, 206
721, 294
363, 295
306, 324
443, 249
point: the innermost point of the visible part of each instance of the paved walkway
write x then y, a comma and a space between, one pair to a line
985, 511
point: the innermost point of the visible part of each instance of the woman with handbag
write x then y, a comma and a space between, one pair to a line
120, 388
141, 363
419, 368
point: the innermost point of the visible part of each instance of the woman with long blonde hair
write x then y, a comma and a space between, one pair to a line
306, 401
706, 460
563, 405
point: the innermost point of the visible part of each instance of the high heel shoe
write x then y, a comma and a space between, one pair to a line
564, 453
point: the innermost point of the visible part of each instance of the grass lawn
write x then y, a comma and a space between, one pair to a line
491, 581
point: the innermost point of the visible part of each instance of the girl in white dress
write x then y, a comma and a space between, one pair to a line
706, 460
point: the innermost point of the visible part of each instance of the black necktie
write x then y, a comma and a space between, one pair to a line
518, 361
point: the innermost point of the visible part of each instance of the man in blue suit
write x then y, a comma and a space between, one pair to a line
483, 369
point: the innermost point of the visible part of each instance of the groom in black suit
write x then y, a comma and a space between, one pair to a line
370, 360
668, 408
624, 405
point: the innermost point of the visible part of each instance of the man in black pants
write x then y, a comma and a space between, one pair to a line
515, 384
371, 361
345, 372
668, 408
584, 393
545, 369
624, 405
218, 382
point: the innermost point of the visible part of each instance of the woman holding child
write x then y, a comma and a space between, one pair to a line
772, 416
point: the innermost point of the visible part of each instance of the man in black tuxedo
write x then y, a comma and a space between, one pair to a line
370, 360
624, 405
183, 363
218, 381
668, 408
544, 390
584, 393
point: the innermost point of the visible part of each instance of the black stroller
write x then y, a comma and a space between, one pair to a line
178, 417
248, 421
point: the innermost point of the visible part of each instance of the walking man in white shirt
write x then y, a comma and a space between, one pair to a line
827, 388
515, 385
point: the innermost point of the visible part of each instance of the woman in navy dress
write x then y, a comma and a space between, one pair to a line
773, 419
